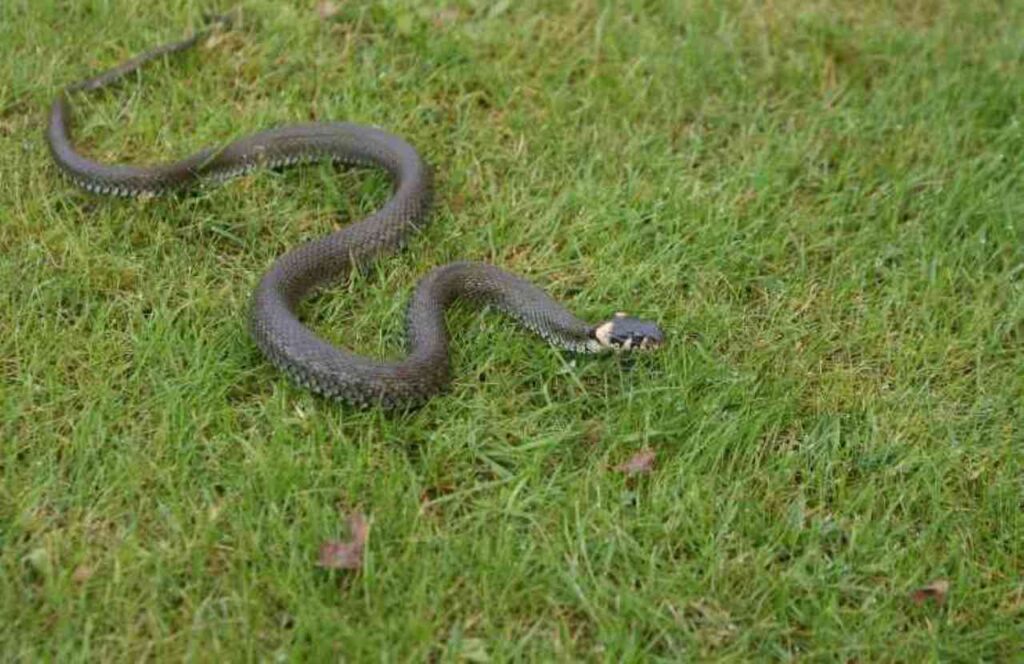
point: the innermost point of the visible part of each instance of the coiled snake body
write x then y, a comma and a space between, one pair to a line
274, 325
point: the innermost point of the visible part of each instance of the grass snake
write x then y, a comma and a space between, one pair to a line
273, 321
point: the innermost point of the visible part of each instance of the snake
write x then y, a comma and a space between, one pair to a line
273, 322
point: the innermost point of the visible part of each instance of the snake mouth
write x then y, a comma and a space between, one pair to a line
626, 333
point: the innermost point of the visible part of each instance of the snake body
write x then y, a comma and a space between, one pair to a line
274, 325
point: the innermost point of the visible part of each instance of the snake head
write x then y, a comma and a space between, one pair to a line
624, 332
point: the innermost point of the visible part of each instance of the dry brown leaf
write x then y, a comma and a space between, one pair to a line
936, 591
326, 9
640, 463
447, 16
82, 573
336, 554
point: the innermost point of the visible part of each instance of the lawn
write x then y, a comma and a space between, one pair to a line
821, 203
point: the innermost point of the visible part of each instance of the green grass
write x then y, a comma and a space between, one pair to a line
820, 201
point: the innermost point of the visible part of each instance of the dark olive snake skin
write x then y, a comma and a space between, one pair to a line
273, 323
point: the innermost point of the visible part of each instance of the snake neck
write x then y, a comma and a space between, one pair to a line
483, 284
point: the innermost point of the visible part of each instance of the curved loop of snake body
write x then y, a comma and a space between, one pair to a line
273, 323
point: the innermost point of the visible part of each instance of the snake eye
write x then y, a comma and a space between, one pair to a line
627, 333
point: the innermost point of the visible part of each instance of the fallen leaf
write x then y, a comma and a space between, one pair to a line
935, 591
446, 17
81, 574
336, 554
640, 463
326, 9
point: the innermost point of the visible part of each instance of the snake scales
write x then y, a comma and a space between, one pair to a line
273, 323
